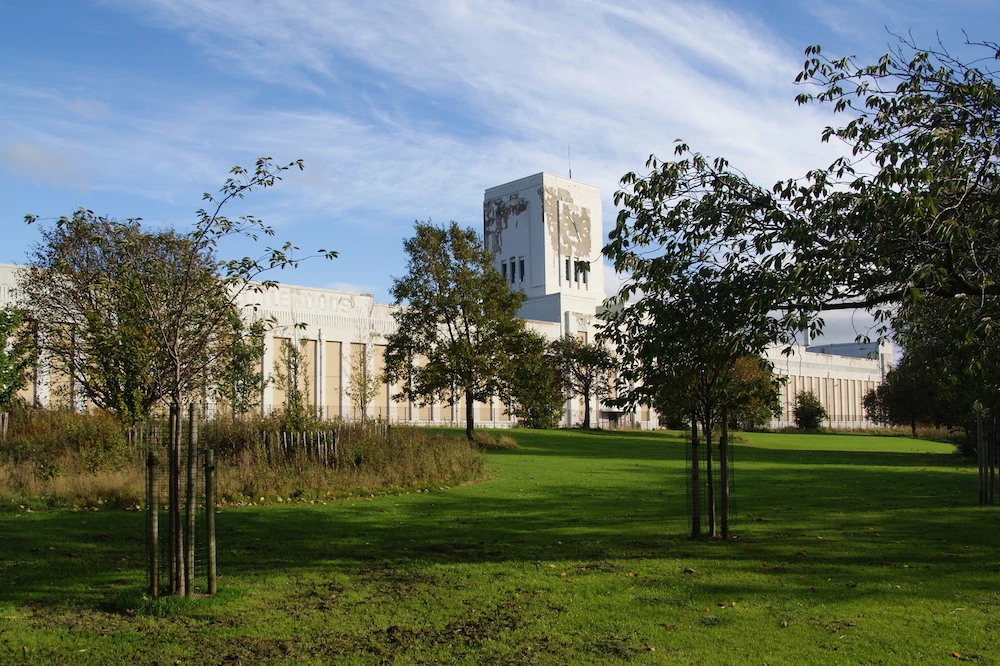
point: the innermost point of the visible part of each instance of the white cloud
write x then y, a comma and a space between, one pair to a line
39, 163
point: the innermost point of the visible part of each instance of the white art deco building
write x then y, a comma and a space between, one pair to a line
546, 234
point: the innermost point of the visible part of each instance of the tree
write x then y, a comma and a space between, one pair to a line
908, 215
809, 413
80, 288
754, 398
682, 326
586, 370
458, 315
138, 316
156, 323
17, 356
537, 396
364, 383
291, 377
240, 380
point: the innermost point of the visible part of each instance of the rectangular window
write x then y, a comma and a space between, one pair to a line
513, 271
576, 272
503, 269
585, 276
520, 266
567, 270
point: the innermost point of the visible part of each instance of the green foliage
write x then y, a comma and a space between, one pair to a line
17, 356
586, 370
906, 397
755, 393
458, 333
363, 384
54, 441
536, 392
291, 377
136, 315
809, 412
239, 380
918, 227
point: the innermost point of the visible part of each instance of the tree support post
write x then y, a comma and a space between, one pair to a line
174, 504
210, 518
695, 481
190, 507
981, 456
724, 471
152, 523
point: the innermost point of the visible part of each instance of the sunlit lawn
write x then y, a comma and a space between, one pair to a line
851, 549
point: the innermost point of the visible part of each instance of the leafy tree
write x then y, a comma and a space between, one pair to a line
81, 287
754, 398
908, 215
155, 324
459, 315
364, 383
586, 370
537, 395
688, 324
290, 376
809, 412
17, 356
240, 379
138, 316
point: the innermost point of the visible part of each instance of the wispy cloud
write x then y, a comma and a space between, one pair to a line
62, 166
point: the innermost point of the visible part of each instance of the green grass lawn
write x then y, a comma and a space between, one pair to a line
851, 550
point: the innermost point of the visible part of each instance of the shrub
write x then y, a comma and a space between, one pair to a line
486, 440
60, 458
809, 412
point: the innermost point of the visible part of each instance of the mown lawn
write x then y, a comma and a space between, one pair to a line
851, 549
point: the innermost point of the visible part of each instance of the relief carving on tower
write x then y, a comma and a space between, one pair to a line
497, 216
567, 223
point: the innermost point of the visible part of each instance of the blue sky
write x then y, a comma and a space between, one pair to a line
406, 110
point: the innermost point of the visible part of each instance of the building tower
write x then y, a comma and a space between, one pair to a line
545, 234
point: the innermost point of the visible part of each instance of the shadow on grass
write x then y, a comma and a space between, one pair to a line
616, 497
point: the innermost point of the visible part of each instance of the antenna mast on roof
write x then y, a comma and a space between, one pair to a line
569, 161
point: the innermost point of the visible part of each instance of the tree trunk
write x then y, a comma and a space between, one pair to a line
695, 481
913, 427
176, 524
981, 457
709, 480
469, 414
724, 472
189, 502
586, 410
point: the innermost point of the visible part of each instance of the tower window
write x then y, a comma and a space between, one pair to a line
585, 276
503, 269
520, 266
513, 272
576, 272
567, 270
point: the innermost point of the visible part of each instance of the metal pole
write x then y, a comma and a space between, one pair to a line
210, 517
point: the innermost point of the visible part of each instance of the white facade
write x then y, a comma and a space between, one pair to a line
838, 374
546, 234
